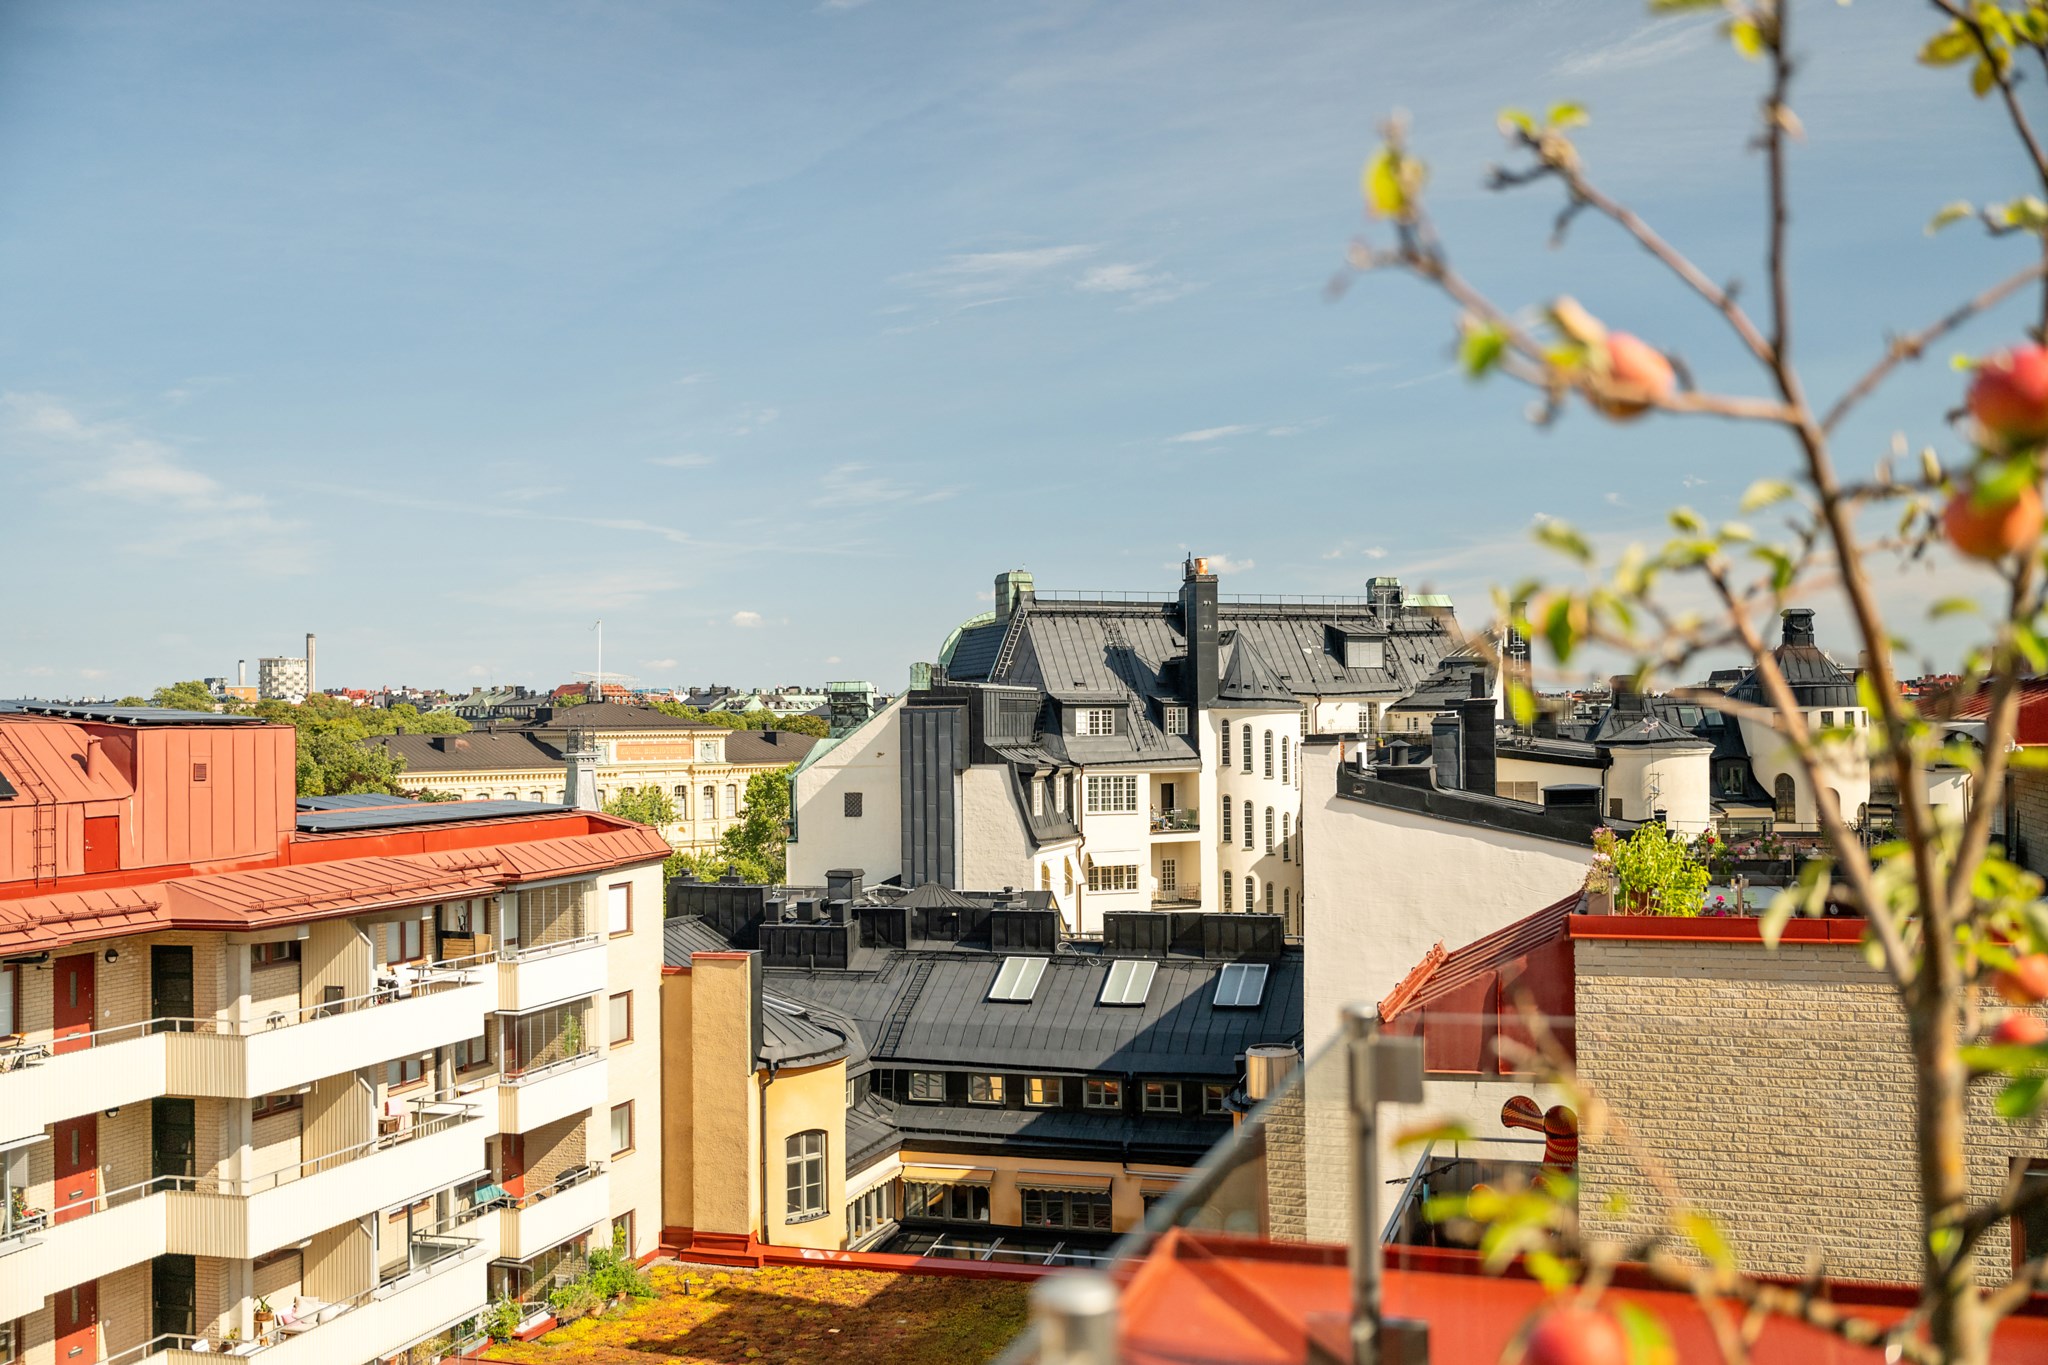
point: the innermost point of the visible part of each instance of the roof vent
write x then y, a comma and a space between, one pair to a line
1798, 625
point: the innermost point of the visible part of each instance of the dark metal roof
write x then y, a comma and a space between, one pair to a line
686, 934
479, 750
1815, 679
932, 896
353, 800
791, 1037
1450, 684
975, 652
1250, 680
870, 1131
125, 715
926, 1125
419, 813
768, 746
616, 715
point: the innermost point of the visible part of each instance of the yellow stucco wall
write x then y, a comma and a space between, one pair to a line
798, 1101
724, 1122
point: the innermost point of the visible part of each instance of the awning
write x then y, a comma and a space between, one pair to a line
1151, 1182
1069, 1181
1113, 857
948, 1175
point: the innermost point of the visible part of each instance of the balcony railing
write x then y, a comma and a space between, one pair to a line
427, 1117
1177, 896
1176, 821
22, 1227
528, 952
527, 1075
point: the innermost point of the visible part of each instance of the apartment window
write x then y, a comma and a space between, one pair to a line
406, 1071
803, 1168
707, 808
1176, 720
1269, 753
1285, 747
1226, 820
1272, 901
1113, 794
1246, 747
404, 941
622, 1018
984, 1089
619, 906
1287, 900
1096, 720
850, 805
2030, 1229
958, 1203
1113, 877
1223, 758
1269, 829
1240, 984
732, 800
1066, 1209
1215, 1100
682, 796
1169, 874
1827, 720
1102, 1092
265, 1105
1160, 1097
622, 1128
1043, 1092
1532, 794
622, 1233
1784, 793
928, 1087
1286, 837
1251, 893
869, 1213
1226, 890
472, 1053
266, 954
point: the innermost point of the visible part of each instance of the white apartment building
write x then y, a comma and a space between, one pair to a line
309, 1081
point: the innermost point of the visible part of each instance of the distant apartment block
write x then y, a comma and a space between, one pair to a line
309, 1081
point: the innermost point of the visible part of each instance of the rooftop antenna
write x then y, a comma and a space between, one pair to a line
600, 678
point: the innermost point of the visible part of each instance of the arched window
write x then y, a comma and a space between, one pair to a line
1286, 837
1226, 819
1271, 903
708, 807
1246, 734
1269, 829
682, 802
732, 800
804, 1174
1285, 748
1251, 892
1247, 813
1788, 804
1226, 891
1287, 902
1224, 758
1863, 815
1269, 753
1045, 876
539, 796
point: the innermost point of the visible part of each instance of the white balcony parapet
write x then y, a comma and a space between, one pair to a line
546, 1218
52, 1249
540, 1095
550, 973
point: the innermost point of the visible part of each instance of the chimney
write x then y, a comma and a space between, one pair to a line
1013, 590
581, 789
95, 761
844, 883
241, 672
311, 687
1798, 628
1198, 625
1476, 739
1443, 752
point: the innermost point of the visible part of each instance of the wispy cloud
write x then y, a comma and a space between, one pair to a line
985, 274
746, 620
1218, 564
186, 508
1655, 42
1141, 284
663, 664
688, 461
860, 485
1352, 547
752, 419
1204, 435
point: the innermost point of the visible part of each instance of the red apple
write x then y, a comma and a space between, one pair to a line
1633, 367
2027, 982
2010, 394
1577, 1336
1990, 530
2020, 1030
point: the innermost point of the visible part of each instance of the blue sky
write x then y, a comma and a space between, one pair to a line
770, 332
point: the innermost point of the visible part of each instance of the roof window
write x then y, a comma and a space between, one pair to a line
1128, 983
1241, 985
1018, 978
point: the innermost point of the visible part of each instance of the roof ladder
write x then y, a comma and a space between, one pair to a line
899, 1016
1009, 649
43, 836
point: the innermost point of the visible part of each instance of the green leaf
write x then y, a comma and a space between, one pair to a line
1384, 196
1480, 349
1983, 78
2034, 759
2026, 212
1950, 213
1701, 1230
1563, 539
1954, 606
1516, 120
1560, 629
1686, 520
1763, 493
1943, 1241
1951, 45
1448, 1131
1747, 37
1550, 1272
2021, 1098
1522, 704
1568, 115
1648, 1342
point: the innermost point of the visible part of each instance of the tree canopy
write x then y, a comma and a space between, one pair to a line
184, 696
755, 847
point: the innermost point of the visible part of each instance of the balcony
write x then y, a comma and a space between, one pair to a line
434, 1006
439, 1143
547, 973
1176, 822
528, 1099
443, 1285
1177, 898
95, 1235
546, 1218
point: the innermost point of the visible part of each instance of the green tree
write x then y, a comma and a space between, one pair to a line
756, 846
803, 725
337, 748
184, 696
648, 805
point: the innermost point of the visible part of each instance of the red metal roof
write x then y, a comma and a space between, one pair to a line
1207, 1299
2033, 720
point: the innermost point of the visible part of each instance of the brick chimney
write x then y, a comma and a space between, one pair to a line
1198, 624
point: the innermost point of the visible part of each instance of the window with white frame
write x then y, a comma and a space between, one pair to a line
1042, 1092
1269, 829
1226, 819
928, 1087
1113, 794
1102, 1092
708, 808
1269, 753
1286, 837
622, 1128
1248, 823
1176, 719
1285, 747
1160, 1097
868, 1213
1112, 877
1223, 756
804, 1174
1095, 720
732, 800
1169, 874
984, 1089
1226, 891
619, 907
1246, 747
1215, 1099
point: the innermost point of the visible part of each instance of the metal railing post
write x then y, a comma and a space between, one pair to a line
1075, 1313
1378, 1070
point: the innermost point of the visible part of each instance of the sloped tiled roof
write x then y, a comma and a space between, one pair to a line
768, 746
477, 751
1441, 973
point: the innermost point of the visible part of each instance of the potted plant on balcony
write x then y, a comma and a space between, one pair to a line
264, 1316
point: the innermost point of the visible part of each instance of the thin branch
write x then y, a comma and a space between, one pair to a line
1797, 1305
1914, 344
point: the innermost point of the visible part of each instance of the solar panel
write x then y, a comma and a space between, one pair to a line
1018, 978
125, 715
425, 813
1128, 983
1240, 985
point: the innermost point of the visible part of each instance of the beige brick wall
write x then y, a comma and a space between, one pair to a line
1776, 1088
2030, 803
553, 1150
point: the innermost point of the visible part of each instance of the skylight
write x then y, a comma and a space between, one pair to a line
1240, 985
1018, 978
1128, 983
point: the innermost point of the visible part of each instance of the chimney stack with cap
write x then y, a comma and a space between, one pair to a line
311, 688
1798, 625
1476, 738
1198, 625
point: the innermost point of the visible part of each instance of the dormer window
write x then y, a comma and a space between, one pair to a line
1176, 719
1095, 720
